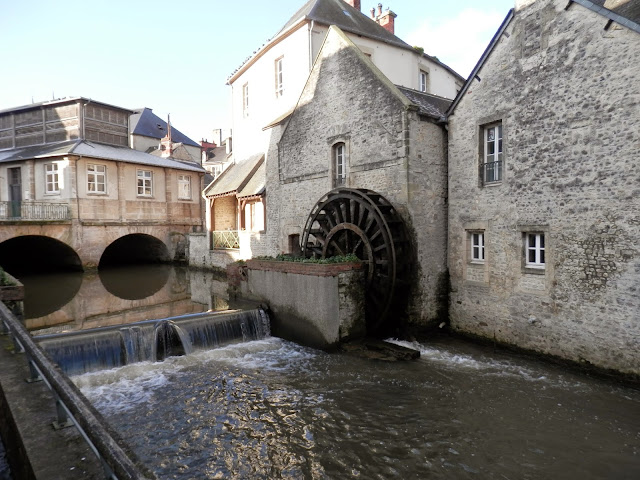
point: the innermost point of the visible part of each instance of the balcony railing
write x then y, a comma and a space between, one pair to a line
225, 239
491, 172
34, 211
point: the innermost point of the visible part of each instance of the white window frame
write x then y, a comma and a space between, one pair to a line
144, 183
99, 173
535, 250
339, 164
477, 243
279, 63
493, 156
52, 178
184, 187
422, 81
245, 100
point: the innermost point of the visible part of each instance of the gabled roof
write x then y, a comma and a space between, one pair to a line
343, 15
623, 13
94, 150
146, 123
256, 184
348, 19
235, 178
428, 104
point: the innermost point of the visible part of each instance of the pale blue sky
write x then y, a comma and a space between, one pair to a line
175, 57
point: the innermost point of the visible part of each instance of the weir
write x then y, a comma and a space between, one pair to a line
151, 340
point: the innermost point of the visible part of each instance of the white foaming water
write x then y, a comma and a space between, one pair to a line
123, 388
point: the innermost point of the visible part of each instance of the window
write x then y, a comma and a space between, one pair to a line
145, 183
339, 165
423, 81
184, 187
245, 100
279, 84
492, 164
534, 250
254, 216
96, 178
477, 247
51, 178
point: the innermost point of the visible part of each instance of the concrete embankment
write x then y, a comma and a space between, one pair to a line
27, 412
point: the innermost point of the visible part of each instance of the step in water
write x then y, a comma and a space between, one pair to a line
152, 340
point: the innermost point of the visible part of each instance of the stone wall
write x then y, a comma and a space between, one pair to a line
566, 91
389, 150
312, 304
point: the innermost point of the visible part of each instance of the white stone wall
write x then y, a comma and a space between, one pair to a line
566, 90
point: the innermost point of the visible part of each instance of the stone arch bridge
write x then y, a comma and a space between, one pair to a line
83, 244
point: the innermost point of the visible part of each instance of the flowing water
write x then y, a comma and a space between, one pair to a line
269, 408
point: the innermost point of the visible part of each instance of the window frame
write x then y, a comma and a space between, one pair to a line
496, 157
95, 182
339, 161
539, 249
145, 180
423, 78
245, 100
51, 179
478, 247
279, 76
184, 180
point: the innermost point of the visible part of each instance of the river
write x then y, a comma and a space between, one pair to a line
274, 409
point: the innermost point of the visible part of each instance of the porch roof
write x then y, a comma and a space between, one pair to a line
235, 178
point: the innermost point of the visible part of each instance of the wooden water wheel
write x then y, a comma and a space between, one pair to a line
364, 223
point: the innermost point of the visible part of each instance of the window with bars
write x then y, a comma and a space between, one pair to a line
184, 187
279, 77
52, 184
145, 183
96, 178
492, 164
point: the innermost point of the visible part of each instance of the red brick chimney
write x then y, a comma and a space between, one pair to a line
354, 3
384, 19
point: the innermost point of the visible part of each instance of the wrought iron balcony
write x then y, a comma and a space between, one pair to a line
491, 172
38, 211
225, 239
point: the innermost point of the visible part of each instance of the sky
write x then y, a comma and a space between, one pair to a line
175, 57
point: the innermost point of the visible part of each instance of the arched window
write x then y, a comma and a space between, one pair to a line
339, 164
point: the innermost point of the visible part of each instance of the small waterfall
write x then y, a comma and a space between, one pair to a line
152, 340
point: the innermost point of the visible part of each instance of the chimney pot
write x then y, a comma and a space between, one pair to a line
373, 13
379, 9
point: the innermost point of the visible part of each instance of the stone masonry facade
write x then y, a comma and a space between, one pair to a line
565, 91
390, 149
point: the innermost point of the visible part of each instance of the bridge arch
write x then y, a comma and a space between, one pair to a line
37, 253
135, 248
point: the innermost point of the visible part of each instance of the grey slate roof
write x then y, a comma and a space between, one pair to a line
94, 150
349, 19
626, 13
429, 105
59, 101
146, 123
256, 184
235, 178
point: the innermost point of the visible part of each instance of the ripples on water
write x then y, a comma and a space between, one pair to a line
273, 409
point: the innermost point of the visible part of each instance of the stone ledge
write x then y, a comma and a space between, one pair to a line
299, 268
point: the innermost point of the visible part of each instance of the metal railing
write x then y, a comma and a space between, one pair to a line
72, 407
225, 239
491, 172
34, 211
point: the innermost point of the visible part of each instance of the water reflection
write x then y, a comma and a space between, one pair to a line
64, 302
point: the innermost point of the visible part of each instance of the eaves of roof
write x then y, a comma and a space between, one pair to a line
428, 105
234, 178
483, 58
626, 14
47, 103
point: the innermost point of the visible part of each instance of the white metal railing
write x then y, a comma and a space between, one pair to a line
225, 239
34, 211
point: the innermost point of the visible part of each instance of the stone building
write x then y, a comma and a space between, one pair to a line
72, 187
544, 199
